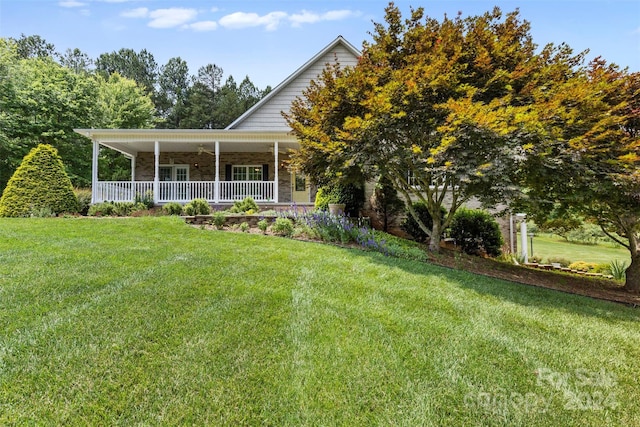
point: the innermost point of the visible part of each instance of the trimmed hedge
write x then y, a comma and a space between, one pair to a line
476, 232
40, 182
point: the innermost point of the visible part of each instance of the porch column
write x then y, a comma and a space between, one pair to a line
275, 172
133, 168
523, 236
94, 171
216, 189
156, 175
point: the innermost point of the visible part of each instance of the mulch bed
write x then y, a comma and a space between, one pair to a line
603, 289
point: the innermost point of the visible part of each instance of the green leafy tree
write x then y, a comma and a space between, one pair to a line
587, 160
138, 66
173, 83
201, 99
34, 46
440, 108
43, 103
76, 60
40, 182
121, 104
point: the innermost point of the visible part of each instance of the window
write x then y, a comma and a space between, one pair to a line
247, 173
300, 182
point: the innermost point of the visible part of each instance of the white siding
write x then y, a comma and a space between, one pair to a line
269, 117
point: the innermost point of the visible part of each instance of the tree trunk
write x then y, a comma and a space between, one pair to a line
436, 232
632, 283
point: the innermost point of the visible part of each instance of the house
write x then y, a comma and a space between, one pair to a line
246, 159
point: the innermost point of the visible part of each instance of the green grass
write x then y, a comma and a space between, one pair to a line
553, 246
148, 321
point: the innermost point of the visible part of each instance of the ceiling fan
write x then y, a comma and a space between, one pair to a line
201, 150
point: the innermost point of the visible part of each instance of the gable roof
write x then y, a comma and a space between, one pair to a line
265, 114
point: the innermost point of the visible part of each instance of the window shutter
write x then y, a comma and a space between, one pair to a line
265, 172
227, 173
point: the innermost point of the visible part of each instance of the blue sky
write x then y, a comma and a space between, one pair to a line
268, 40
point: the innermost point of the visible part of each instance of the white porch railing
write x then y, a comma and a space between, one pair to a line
185, 191
120, 191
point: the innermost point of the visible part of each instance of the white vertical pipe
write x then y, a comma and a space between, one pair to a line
94, 171
216, 190
156, 174
523, 237
513, 250
275, 172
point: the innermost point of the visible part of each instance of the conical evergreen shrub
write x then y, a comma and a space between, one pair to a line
39, 183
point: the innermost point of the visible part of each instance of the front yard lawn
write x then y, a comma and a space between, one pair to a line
150, 321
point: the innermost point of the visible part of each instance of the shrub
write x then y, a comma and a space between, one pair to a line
282, 227
146, 199
602, 268
583, 266
351, 195
476, 232
263, 225
386, 203
197, 207
101, 209
325, 196
122, 208
587, 233
39, 182
246, 205
244, 227
410, 225
172, 208
219, 220
84, 199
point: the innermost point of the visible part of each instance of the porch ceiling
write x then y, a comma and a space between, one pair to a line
133, 141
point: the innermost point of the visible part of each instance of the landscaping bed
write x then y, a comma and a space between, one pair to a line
593, 287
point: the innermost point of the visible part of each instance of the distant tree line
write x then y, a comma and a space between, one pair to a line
45, 94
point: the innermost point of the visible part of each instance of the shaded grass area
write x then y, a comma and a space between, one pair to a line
150, 321
552, 246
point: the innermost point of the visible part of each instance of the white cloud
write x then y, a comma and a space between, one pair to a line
272, 21
172, 17
202, 26
71, 3
140, 12
338, 15
304, 17
183, 17
238, 20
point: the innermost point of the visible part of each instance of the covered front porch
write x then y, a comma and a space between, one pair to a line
220, 166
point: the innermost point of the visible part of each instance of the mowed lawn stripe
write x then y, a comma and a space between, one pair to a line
150, 321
